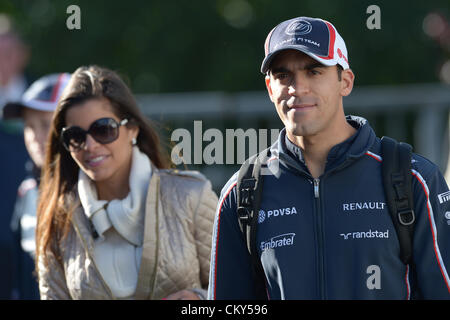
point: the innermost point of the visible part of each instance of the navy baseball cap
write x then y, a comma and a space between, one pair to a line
42, 95
315, 37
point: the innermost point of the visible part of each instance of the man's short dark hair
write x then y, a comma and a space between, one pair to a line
339, 71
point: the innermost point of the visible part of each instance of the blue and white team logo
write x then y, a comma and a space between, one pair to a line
261, 216
265, 215
299, 27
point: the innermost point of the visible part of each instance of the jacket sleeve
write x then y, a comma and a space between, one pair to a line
203, 222
52, 280
231, 274
432, 233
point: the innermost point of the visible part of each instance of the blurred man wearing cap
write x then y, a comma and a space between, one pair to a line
36, 109
14, 56
321, 227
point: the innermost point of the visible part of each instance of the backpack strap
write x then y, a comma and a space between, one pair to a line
249, 192
397, 182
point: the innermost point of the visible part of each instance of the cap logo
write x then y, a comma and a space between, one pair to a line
298, 28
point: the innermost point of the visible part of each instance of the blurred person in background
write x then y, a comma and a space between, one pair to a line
14, 57
12, 172
36, 110
113, 221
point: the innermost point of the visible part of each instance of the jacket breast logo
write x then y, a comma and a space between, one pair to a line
358, 206
282, 240
444, 197
263, 215
365, 234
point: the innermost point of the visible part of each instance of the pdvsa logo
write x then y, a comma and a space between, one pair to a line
299, 27
263, 215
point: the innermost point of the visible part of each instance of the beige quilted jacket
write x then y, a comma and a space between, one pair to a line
179, 217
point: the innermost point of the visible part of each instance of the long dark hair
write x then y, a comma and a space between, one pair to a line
60, 172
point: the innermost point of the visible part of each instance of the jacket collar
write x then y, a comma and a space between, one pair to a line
354, 147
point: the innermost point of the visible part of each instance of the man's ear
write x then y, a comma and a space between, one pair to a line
268, 86
348, 78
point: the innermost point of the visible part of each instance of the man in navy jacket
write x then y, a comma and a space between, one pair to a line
324, 230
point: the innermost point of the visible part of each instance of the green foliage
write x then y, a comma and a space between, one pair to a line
217, 45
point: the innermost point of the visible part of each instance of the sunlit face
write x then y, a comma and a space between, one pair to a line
36, 127
307, 95
106, 164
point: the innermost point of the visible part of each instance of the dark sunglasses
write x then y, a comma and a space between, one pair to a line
104, 131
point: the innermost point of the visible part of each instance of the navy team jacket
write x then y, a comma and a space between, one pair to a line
333, 237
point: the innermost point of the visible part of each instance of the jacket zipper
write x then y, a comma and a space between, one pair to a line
316, 188
320, 238
89, 256
319, 225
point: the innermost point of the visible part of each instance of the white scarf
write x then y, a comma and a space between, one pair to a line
125, 215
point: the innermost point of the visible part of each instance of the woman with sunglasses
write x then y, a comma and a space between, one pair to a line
113, 221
